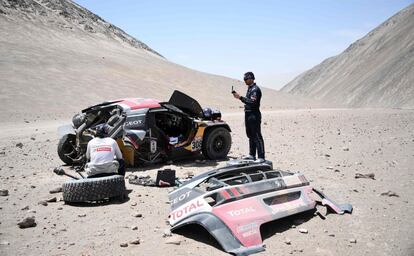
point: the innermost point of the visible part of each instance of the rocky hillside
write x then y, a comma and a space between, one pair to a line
57, 58
69, 15
375, 71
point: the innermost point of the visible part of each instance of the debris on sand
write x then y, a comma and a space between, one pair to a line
288, 241
353, 241
303, 230
28, 222
123, 244
365, 176
19, 145
4, 192
43, 202
137, 215
82, 215
56, 190
51, 200
389, 193
135, 242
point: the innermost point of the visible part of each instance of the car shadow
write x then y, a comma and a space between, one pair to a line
103, 202
199, 234
198, 161
267, 230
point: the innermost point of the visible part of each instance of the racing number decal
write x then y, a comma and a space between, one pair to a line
196, 144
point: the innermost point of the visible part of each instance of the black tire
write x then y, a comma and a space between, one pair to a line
217, 143
93, 189
66, 145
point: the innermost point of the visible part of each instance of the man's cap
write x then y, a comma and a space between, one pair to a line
248, 75
102, 130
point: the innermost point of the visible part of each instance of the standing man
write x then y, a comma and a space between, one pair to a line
252, 117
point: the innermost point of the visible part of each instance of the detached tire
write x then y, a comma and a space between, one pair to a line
66, 146
93, 189
217, 143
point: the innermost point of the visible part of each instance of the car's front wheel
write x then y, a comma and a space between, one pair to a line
66, 148
217, 143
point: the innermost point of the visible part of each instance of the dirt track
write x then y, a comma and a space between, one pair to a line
357, 141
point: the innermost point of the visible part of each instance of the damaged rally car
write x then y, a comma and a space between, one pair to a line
149, 131
232, 202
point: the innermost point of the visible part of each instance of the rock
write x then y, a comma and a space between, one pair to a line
19, 145
137, 215
28, 222
345, 149
60, 208
136, 241
43, 202
331, 235
389, 193
173, 240
123, 244
167, 233
134, 204
352, 241
32, 138
31, 211
52, 200
4, 192
4, 243
303, 230
32, 186
134, 228
56, 190
327, 155
287, 241
82, 215
329, 167
25, 208
365, 176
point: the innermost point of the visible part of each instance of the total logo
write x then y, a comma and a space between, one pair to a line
242, 211
187, 209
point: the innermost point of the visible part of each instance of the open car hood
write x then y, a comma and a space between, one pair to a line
186, 104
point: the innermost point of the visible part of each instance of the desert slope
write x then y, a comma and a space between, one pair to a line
58, 58
375, 71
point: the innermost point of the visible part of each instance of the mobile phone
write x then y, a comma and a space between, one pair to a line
232, 90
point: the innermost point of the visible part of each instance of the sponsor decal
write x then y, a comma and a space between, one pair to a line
133, 123
186, 210
107, 149
242, 211
181, 197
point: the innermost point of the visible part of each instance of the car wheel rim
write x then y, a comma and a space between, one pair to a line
218, 144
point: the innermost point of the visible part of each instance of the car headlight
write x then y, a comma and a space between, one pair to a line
78, 120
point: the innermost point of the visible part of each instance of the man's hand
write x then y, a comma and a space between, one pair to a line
236, 95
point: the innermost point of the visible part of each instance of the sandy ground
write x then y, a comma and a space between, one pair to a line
365, 141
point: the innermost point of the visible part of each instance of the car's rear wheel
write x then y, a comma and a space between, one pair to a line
66, 148
217, 143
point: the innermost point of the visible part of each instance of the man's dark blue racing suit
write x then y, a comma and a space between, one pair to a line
253, 119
